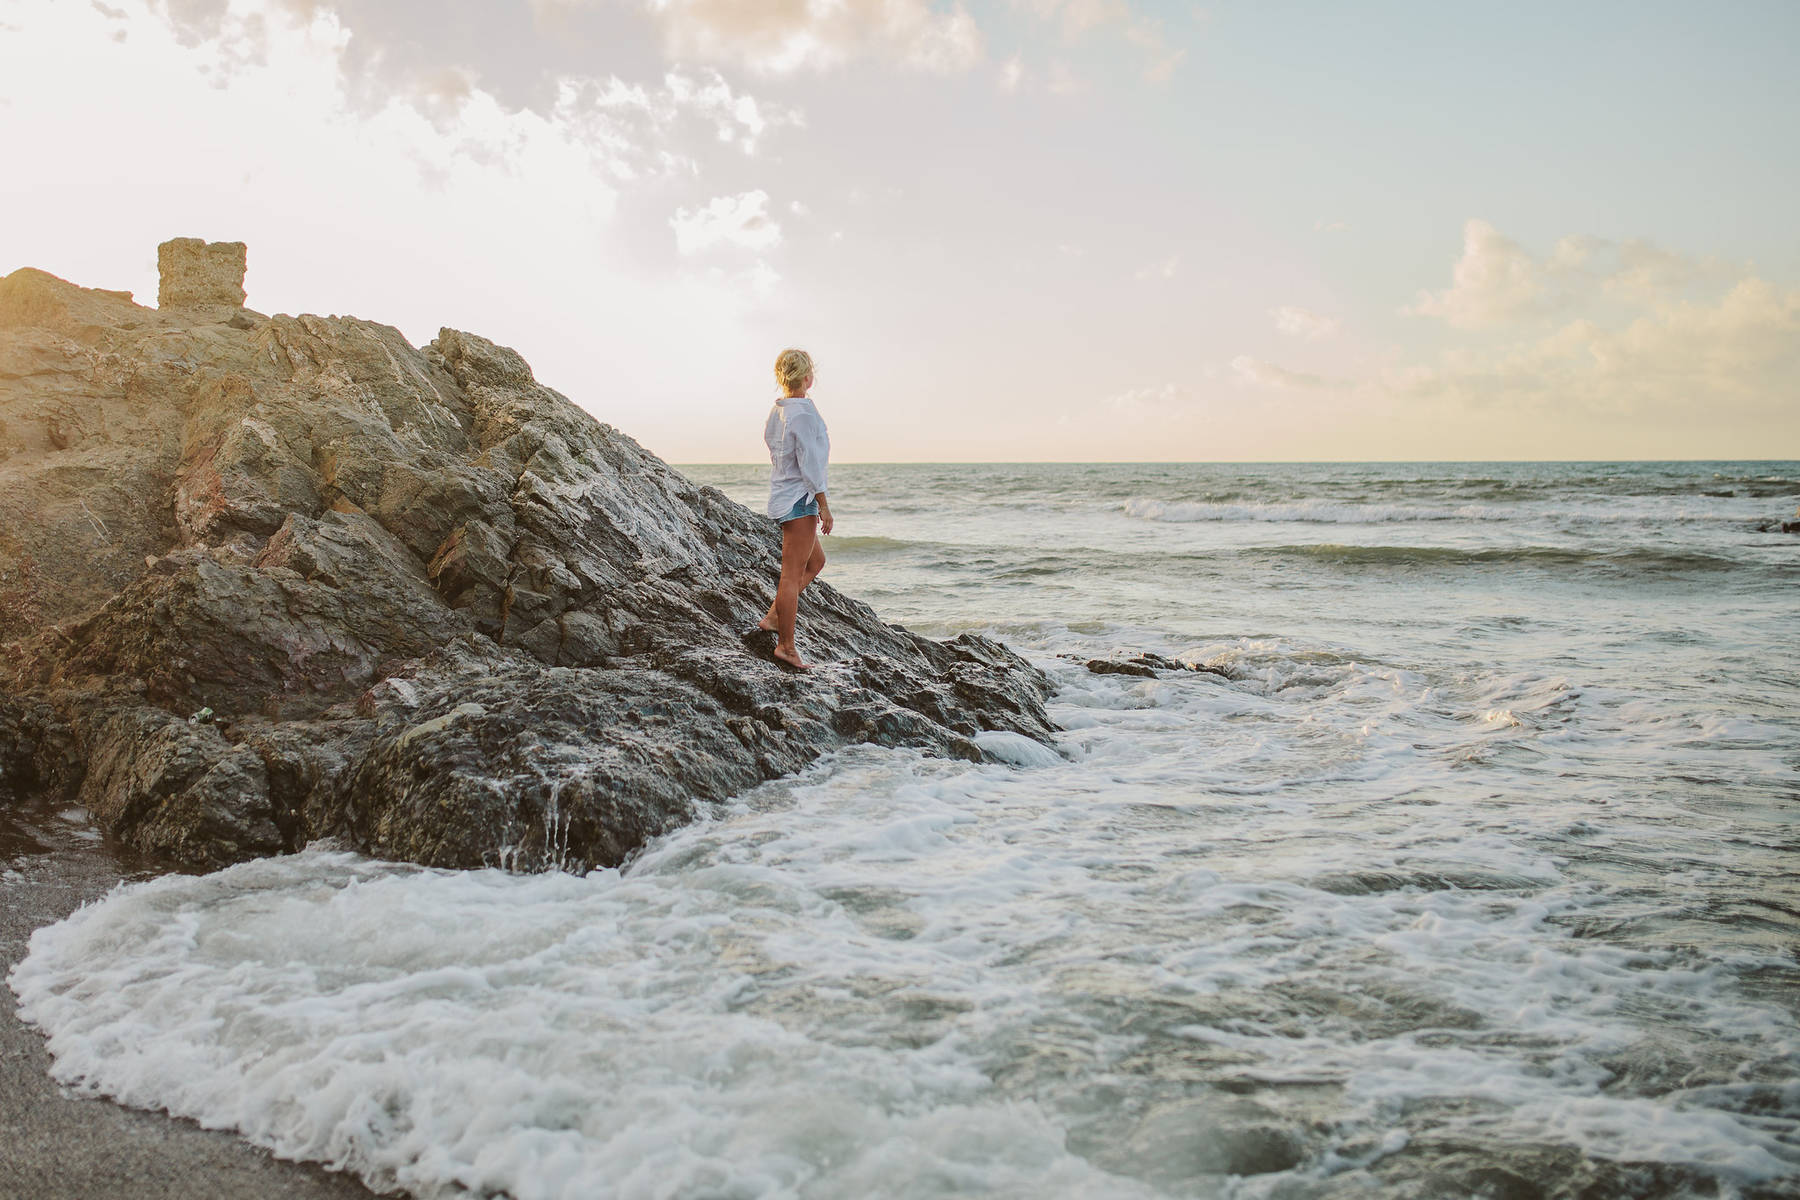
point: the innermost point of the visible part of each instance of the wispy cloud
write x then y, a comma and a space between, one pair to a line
1303, 323
1012, 74
1143, 398
1257, 373
1078, 20
1161, 270
740, 222
784, 38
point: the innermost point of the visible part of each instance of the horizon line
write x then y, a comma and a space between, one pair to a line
1228, 462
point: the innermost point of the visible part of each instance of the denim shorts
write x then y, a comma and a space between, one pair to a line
809, 507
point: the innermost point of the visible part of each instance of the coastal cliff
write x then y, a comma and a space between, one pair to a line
266, 580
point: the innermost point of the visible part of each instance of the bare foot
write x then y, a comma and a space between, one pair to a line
767, 624
791, 656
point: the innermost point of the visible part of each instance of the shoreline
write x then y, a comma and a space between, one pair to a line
61, 1146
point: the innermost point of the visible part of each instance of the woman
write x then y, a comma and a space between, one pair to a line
798, 449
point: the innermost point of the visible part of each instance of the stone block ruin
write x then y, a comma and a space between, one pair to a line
194, 273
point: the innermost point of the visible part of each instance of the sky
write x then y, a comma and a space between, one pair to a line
1013, 231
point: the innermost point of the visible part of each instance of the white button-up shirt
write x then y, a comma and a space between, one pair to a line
798, 449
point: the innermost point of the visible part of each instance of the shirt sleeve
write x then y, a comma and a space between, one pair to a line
813, 447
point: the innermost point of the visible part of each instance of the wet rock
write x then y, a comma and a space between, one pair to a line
436, 610
1104, 666
176, 787
1146, 666
1789, 526
1178, 1144
39, 750
1439, 1163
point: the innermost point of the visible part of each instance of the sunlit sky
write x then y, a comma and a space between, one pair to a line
1036, 229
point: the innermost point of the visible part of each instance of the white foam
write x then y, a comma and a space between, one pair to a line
1017, 749
546, 1035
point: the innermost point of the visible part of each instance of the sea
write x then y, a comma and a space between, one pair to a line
1466, 866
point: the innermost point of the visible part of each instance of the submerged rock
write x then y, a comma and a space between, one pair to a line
1147, 666
272, 579
1779, 526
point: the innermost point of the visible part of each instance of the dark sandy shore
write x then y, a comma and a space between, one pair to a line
56, 1147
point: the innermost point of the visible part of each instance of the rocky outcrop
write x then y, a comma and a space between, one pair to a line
272, 579
193, 273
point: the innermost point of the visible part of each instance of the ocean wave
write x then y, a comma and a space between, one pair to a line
869, 545
1545, 556
1329, 512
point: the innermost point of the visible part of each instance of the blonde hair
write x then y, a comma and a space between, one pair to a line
792, 367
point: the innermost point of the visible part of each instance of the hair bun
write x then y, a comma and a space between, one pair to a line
792, 367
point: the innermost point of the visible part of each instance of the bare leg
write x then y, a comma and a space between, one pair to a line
815, 563
799, 542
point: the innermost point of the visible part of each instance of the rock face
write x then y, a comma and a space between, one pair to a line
198, 274
271, 579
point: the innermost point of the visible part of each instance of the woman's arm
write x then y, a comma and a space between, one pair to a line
813, 447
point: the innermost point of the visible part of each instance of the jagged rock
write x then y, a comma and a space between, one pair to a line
435, 609
39, 751
177, 787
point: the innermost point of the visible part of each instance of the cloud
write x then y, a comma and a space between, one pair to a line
1160, 59
650, 131
1733, 356
1324, 226
737, 119
1137, 400
1303, 323
758, 279
785, 36
1634, 270
1495, 281
1064, 80
525, 56
740, 221
1078, 19
1257, 373
1498, 282
1161, 270
1606, 330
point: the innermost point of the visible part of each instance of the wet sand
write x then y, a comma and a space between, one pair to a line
54, 1146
